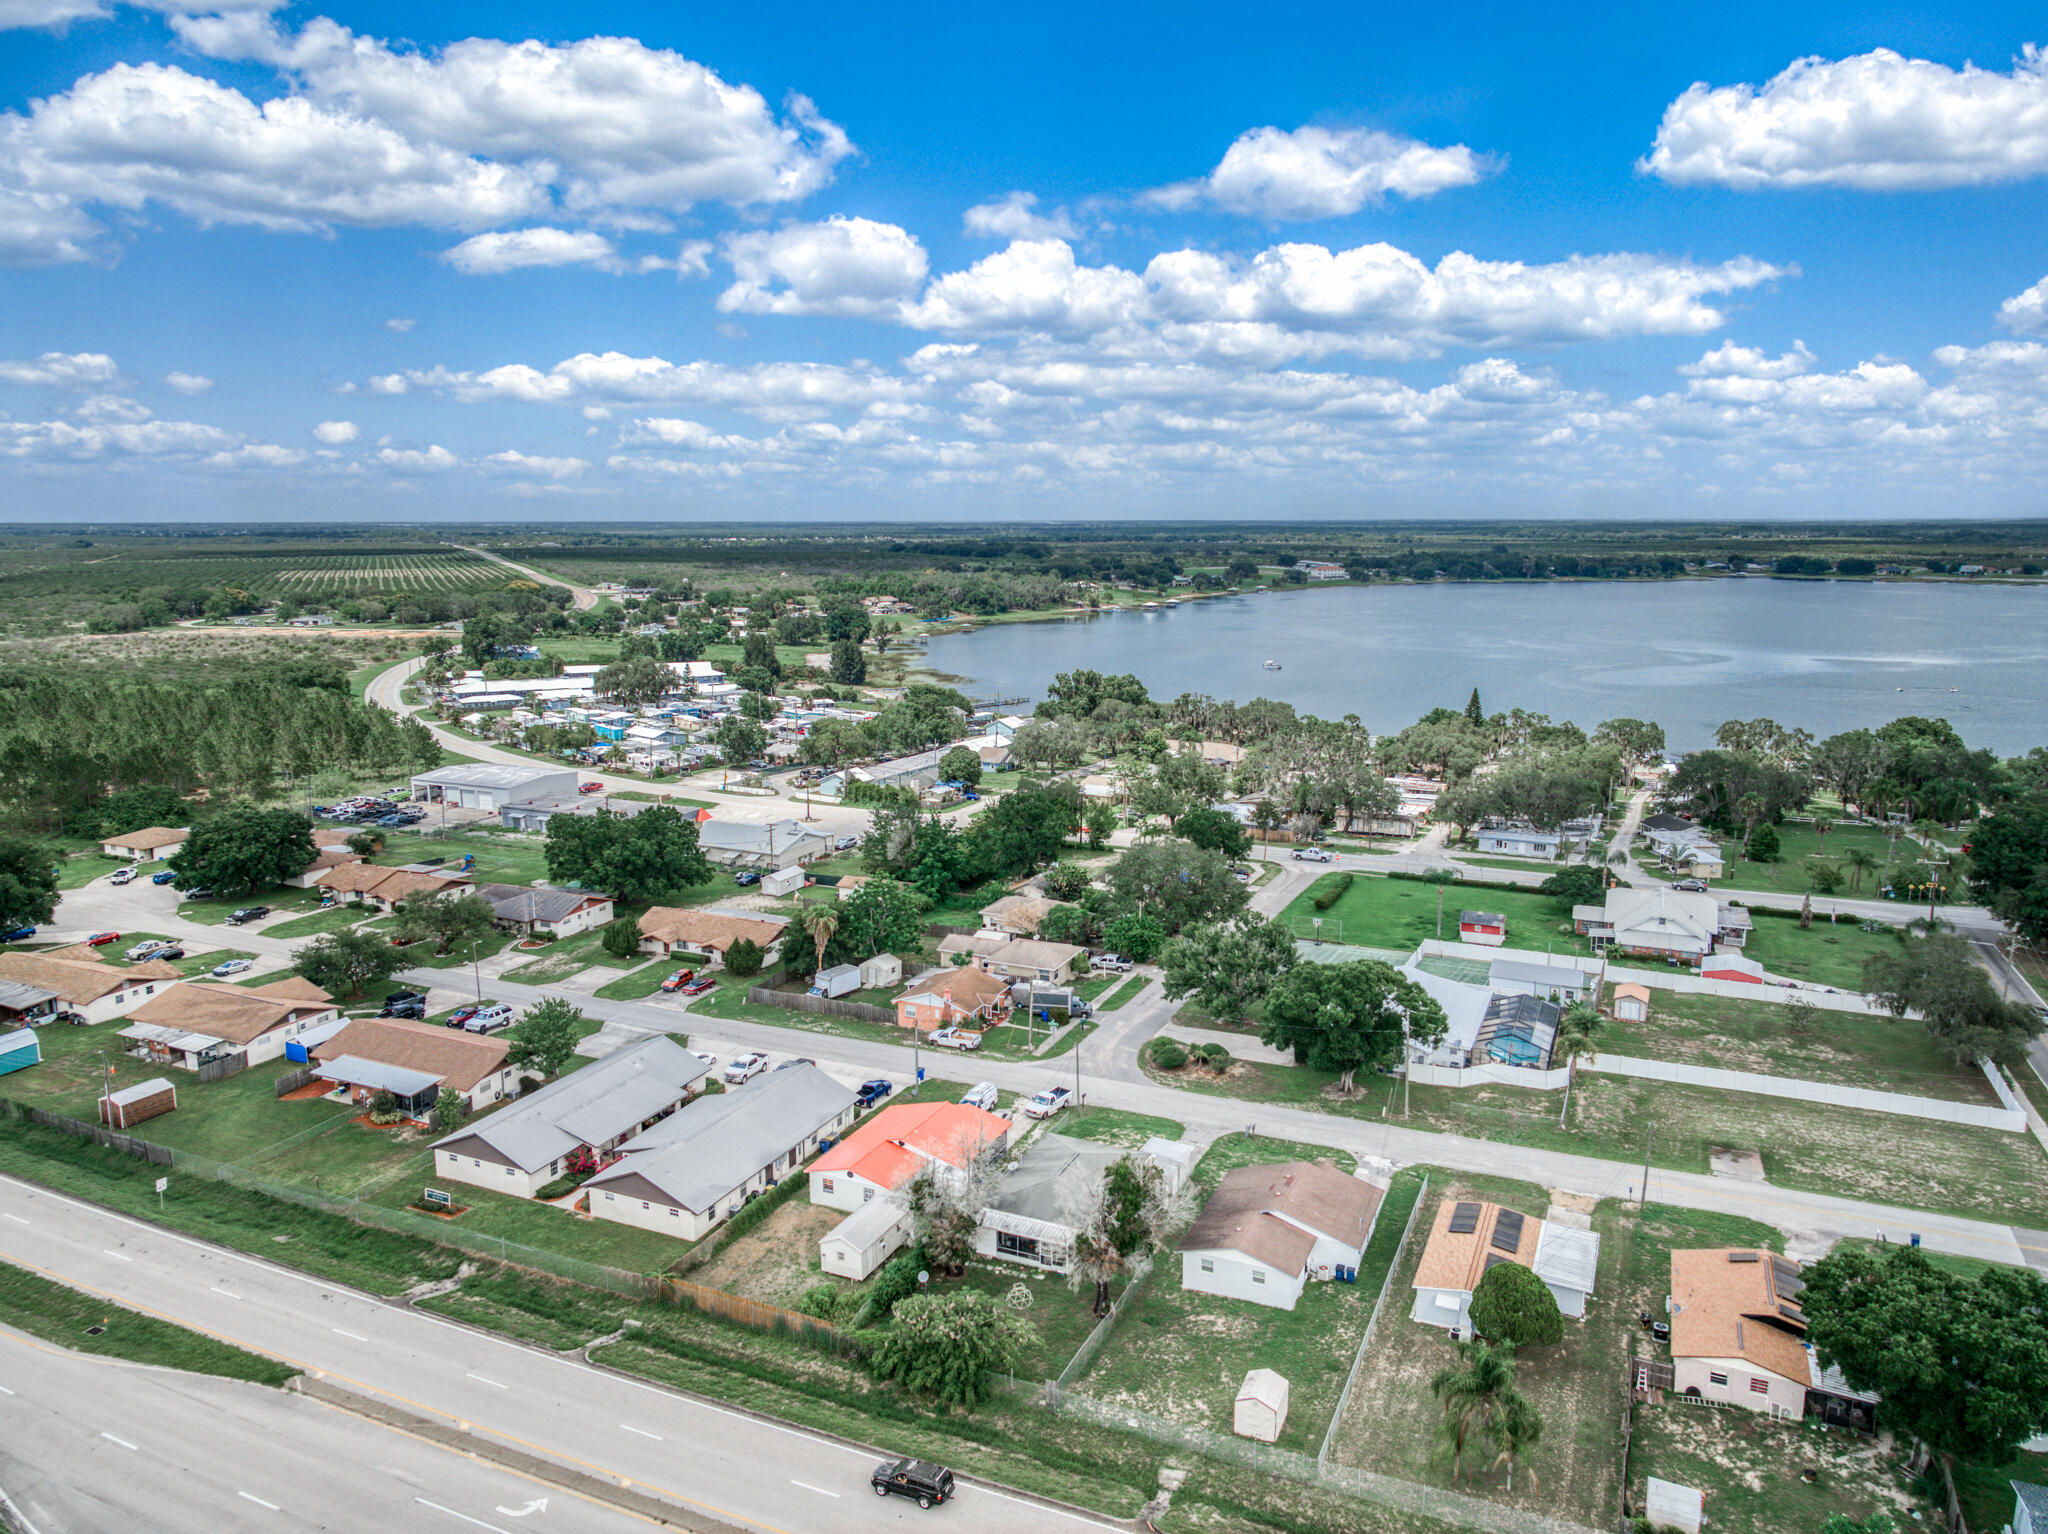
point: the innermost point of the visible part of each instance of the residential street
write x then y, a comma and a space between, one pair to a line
718, 1463
89, 1445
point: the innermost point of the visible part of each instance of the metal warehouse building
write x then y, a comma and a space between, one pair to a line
491, 785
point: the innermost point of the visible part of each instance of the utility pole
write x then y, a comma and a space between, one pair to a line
1934, 889
1646, 1166
1077, 1071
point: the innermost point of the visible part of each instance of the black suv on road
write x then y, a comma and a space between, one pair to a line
918, 1478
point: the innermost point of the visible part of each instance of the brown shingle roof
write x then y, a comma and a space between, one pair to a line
79, 979
353, 878
705, 929
1259, 1211
460, 1059
149, 838
291, 988
331, 857
1457, 1259
227, 1012
1731, 1309
966, 987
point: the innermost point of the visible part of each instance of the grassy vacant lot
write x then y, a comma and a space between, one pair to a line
1116, 1126
1752, 1469
1852, 1049
1577, 1384
645, 980
317, 921
1009, 1042
57, 1314
1182, 1355
1380, 912
1914, 1163
1828, 953
1124, 994
559, 960
1787, 873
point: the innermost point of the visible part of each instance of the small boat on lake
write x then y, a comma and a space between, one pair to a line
1272, 665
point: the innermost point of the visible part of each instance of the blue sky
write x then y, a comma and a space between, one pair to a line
616, 262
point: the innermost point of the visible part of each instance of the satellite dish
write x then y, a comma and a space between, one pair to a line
923, 1277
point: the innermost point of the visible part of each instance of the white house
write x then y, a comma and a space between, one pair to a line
865, 1239
152, 844
772, 845
1660, 923
1519, 841
1027, 1218
255, 1020
1546, 978
1267, 1230
895, 1144
84, 984
698, 1166
1738, 1338
1467, 1237
547, 912
523, 1147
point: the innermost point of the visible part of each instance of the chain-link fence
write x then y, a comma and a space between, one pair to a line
1084, 1355
1371, 1325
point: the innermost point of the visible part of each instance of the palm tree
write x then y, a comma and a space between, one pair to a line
1482, 1407
1576, 1029
821, 921
1861, 860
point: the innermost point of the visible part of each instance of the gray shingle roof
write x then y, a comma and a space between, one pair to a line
518, 902
1054, 1162
713, 1145
591, 1106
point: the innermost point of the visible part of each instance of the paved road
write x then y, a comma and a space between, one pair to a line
89, 1445
721, 1463
583, 596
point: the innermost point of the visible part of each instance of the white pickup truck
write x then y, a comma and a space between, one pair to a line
1048, 1102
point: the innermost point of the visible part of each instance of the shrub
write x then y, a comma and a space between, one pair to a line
1763, 845
1334, 892
825, 1301
1513, 1306
1215, 1056
744, 957
1065, 881
621, 938
451, 1112
1167, 1054
561, 1187
896, 1281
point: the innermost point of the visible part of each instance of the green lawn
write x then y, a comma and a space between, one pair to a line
1885, 1054
198, 961
318, 921
561, 959
214, 912
522, 1221
646, 980
1527, 865
1117, 1126
61, 1315
1787, 874
500, 858
78, 871
1380, 912
1128, 992
1827, 953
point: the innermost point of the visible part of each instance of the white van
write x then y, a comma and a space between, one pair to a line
981, 1095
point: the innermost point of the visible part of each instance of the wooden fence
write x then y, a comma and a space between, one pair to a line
291, 1081
128, 1145
803, 1001
223, 1065
755, 1313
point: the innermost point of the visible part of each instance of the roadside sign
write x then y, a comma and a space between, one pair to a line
437, 1198
162, 1183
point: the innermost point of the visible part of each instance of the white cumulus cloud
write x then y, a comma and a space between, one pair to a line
433, 459
506, 250
843, 266
1015, 216
1731, 361
188, 383
1324, 173
2027, 312
1878, 122
63, 370
399, 327
515, 462
335, 433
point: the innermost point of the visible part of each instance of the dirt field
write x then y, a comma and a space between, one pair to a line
1391, 1423
1753, 1470
777, 1260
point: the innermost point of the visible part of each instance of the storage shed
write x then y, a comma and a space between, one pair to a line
784, 881
881, 970
1631, 1003
132, 1105
19, 1050
1261, 1406
865, 1239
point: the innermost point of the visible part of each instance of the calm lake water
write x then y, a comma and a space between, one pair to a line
1827, 656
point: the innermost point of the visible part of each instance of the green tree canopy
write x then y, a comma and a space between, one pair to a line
1577, 884
28, 883
633, 857
961, 764
243, 848
1216, 830
1227, 967
949, 1346
1176, 883
1513, 1306
344, 962
636, 682
545, 1039
454, 922
1023, 830
1348, 1017
1938, 977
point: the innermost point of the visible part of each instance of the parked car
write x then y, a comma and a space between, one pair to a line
123, 876
679, 979
145, 948
589, 788
954, 1038
920, 1479
18, 935
746, 876
981, 1095
1690, 886
202, 893
228, 967
1048, 1102
1111, 961
415, 1010
745, 1068
698, 987
1314, 855
247, 913
845, 843
163, 878
406, 996
101, 939
462, 1015
872, 1092
490, 1019
167, 954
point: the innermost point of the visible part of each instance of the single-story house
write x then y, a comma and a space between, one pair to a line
323, 860
1487, 927
2030, 1508
764, 845
918, 770
1631, 1002
1029, 959
152, 844
865, 1239
545, 911
1520, 841
1467, 1237
1701, 859
1547, 978
895, 1144
21, 1002
471, 1064
954, 998
132, 1105
19, 1050
381, 887
1027, 1218
490, 785
1661, 923
255, 1020
698, 1166
1267, 1230
1738, 1337
1015, 915
667, 929
86, 984
524, 1146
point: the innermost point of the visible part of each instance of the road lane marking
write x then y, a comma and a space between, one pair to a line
17, 1219
124, 1443
252, 1497
492, 1383
118, 1257
4, 1391
211, 1289
477, 1522
627, 1427
352, 1337
807, 1486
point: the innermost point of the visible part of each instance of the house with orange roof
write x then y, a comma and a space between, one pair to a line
1738, 1338
954, 998
669, 929
883, 1155
381, 887
1468, 1236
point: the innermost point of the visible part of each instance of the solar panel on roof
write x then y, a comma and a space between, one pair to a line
1491, 1259
1464, 1219
1742, 1257
1507, 1231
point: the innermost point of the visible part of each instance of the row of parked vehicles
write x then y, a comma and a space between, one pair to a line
372, 810
476, 1017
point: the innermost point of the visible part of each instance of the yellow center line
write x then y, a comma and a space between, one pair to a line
461, 1423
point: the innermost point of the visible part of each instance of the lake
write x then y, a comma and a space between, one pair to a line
1823, 655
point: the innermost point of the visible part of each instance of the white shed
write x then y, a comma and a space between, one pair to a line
784, 881
865, 1239
1671, 1506
1261, 1406
883, 969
